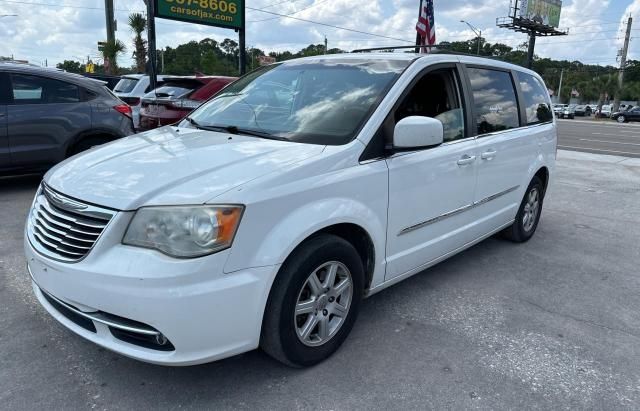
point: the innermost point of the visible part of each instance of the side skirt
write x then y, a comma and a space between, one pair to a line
433, 262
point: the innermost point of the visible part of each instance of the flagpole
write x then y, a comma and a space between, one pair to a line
418, 39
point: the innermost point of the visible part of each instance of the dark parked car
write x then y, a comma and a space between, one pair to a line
632, 114
177, 98
583, 110
48, 115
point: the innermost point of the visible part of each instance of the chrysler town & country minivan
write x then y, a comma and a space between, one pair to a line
267, 215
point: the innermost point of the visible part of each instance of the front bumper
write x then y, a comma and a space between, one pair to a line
203, 313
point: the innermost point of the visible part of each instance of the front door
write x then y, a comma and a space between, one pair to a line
431, 190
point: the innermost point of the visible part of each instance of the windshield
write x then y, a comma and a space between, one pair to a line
318, 101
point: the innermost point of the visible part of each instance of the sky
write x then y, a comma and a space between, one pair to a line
54, 30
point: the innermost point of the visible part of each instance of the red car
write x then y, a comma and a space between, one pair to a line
177, 97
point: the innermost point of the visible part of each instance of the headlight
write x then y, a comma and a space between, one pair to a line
184, 231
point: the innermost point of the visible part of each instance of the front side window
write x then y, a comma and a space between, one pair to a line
536, 99
436, 95
39, 90
323, 101
494, 99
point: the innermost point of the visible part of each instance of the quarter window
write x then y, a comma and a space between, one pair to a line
495, 102
39, 90
536, 99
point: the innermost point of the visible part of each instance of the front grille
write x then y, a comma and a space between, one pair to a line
63, 228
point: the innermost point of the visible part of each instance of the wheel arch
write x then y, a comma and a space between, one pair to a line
543, 174
351, 220
98, 132
358, 237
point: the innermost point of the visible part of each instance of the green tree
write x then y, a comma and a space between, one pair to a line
111, 51
71, 66
138, 24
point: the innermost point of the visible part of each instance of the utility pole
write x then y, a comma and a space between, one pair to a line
532, 46
560, 86
111, 29
325, 44
623, 63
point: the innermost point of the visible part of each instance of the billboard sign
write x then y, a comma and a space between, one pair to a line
546, 12
220, 13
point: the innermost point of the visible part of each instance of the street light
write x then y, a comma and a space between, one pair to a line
477, 32
8, 15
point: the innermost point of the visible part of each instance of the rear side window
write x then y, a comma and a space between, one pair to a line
125, 85
536, 99
494, 99
39, 90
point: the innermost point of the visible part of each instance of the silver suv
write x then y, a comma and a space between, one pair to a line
47, 115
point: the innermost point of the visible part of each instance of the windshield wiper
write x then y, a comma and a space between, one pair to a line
252, 132
235, 130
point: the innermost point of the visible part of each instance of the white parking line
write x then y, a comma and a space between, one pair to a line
612, 135
609, 142
598, 149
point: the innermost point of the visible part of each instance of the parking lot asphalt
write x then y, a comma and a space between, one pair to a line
550, 324
600, 136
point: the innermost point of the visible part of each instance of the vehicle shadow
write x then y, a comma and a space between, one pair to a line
253, 379
10, 184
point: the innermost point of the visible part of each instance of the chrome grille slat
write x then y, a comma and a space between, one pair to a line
51, 220
57, 228
60, 240
68, 235
70, 218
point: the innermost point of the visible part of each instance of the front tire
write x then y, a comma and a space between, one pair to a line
621, 119
528, 215
313, 302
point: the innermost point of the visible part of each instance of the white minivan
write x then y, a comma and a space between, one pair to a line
265, 217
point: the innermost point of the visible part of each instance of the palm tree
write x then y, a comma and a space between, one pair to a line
111, 51
138, 24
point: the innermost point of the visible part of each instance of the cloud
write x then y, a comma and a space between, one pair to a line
64, 31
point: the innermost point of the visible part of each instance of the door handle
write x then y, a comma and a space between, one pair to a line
466, 160
488, 155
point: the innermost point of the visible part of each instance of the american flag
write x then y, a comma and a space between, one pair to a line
426, 25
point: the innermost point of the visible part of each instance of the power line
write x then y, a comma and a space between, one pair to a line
289, 14
328, 25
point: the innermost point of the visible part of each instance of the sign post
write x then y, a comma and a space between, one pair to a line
229, 14
152, 66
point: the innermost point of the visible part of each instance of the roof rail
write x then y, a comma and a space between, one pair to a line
435, 49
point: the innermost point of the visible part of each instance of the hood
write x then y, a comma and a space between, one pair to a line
166, 167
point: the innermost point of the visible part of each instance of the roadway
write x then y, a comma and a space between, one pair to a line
599, 137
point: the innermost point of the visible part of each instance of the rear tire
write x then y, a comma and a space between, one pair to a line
528, 215
621, 119
87, 143
302, 327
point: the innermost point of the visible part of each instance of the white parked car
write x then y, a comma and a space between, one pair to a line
131, 88
265, 217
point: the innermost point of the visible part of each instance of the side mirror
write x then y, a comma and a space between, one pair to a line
417, 132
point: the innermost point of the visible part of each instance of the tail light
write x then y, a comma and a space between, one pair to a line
123, 109
132, 101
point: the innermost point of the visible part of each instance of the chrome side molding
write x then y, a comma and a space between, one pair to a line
456, 211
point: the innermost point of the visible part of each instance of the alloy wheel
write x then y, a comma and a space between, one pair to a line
323, 303
531, 209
